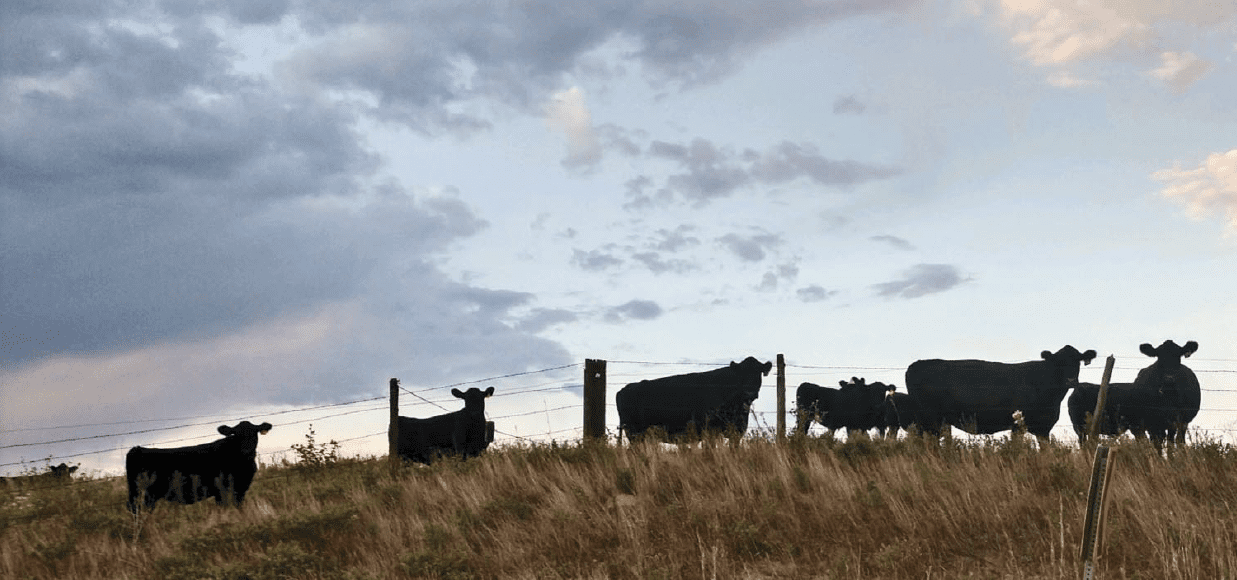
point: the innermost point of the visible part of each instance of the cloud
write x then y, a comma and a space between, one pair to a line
1209, 189
750, 248
425, 64
814, 293
783, 272
634, 310
710, 172
1063, 33
893, 241
568, 113
594, 260
542, 318
675, 240
921, 280
158, 205
1180, 70
848, 105
659, 265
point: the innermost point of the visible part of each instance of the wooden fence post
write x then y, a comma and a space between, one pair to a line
393, 429
1093, 432
1093, 524
781, 397
594, 399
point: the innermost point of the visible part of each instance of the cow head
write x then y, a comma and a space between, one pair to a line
1067, 360
246, 434
1169, 354
62, 470
752, 363
474, 399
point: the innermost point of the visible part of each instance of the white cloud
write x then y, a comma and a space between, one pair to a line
1179, 70
1063, 33
1054, 32
1210, 188
567, 112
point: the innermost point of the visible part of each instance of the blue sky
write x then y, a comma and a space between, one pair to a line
235, 208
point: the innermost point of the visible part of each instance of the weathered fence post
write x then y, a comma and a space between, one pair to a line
781, 397
1093, 524
393, 429
1093, 431
594, 399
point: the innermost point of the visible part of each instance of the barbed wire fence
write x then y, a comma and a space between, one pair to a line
538, 406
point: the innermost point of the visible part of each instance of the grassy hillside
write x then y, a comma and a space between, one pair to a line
813, 508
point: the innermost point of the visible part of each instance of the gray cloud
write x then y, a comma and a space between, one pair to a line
675, 240
783, 272
750, 248
848, 104
421, 61
659, 265
893, 241
921, 280
152, 196
594, 260
711, 172
542, 318
634, 310
814, 293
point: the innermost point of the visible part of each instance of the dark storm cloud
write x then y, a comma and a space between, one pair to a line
634, 310
921, 280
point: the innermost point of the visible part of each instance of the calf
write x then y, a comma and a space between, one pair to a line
857, 406
53, 476
464, 432
900, 411
221, 469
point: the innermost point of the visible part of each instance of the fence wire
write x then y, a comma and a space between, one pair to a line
546, 404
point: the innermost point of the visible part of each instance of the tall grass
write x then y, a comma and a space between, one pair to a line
810, 508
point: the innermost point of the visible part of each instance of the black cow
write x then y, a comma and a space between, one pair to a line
53, 476
901, 410
716, 400
221, 469
981, 397
857, 406
463, 433
1160, 403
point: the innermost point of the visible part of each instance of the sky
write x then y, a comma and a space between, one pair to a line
225, 210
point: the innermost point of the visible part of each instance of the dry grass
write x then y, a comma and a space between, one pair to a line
813, 508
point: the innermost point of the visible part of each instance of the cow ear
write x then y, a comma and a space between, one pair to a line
1046, 355
225, 430
457, 393
1088, 356
264, 428
72, 469
842, 383
768, 367
489, 392
1189, 349
1147, 349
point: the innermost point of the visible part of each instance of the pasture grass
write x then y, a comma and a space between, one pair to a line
808, 508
